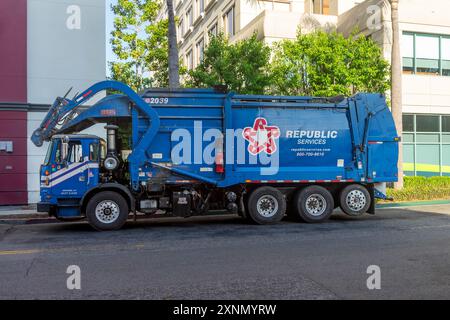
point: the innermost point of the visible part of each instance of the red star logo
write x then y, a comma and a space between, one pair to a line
261, 137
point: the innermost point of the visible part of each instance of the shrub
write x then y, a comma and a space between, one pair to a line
422, 188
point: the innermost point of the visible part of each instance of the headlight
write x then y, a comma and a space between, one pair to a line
111, 163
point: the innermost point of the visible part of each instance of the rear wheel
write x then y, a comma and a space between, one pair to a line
107, 211
355, 200
314, 204
266, 205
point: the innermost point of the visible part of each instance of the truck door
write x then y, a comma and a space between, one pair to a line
70, 179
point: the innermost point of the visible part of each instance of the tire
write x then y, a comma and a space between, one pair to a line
314, 204
355, 200
107, 211
266, 205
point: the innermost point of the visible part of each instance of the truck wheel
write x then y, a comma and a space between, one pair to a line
107, 210
355, 200
266, 205
314, 204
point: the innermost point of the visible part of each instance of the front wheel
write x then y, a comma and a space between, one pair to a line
107, 211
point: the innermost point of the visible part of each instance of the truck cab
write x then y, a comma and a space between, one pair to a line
71, 168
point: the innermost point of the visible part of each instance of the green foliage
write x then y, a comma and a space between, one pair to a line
242, 66
327, 64
139, 43
422, 188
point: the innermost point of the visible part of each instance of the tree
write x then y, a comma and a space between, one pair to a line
327, 64
139, 43
396, 88
173, 63
242, 66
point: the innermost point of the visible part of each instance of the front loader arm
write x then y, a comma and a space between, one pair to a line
63, 113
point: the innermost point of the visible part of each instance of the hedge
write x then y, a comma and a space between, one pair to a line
422, 188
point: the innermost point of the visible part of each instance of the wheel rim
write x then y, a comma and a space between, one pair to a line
267, 206
315, 205
356, 200
107, 211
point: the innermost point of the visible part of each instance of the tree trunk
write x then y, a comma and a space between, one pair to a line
396, 86
174, 75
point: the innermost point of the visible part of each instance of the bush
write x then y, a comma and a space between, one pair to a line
422, 188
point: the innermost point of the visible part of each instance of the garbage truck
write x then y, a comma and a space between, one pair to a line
187, 152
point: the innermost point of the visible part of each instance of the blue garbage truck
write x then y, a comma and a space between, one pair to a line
186, 152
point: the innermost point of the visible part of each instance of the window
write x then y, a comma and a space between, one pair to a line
408, 53
75, 152
190, 60
200, 5
189, 17
408, 123
445, 55
228, 20
94, 152
446, 124
321, 7
426, 123
181, 28
200, 48
426, 147
213, 31
426, 54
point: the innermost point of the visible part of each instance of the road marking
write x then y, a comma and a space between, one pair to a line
17, 252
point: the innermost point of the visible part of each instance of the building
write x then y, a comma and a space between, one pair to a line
425, 48
272, 20
47, 47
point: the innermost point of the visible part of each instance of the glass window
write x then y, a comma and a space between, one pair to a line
190, 60
181, 28
408, 122
189, 17
427, 54
445, 123
213, 31
94, 152
229, 22
75, 152
49, 153
200, 51
408, 53
200, 6
445, 55
426, 123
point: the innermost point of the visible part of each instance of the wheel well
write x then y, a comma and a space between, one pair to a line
98, 190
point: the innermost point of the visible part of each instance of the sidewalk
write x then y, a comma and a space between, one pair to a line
21, 213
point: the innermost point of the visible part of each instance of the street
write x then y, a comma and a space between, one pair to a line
224, 258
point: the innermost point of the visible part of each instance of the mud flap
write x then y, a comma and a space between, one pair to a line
371, 190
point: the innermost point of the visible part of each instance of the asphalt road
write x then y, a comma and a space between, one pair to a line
224, 258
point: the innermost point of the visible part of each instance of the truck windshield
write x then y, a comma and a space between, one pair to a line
49, 153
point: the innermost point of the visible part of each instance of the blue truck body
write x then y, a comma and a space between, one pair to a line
193, 141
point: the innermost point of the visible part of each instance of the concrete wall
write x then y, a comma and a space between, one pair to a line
63, 52
61, 55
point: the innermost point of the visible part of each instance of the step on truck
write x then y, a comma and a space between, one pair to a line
186, 152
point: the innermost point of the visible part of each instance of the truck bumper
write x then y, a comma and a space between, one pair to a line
43, 207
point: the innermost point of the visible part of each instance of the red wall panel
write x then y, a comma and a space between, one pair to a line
13, 52
13, 165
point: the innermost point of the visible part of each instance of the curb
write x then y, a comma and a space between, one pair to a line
411, 204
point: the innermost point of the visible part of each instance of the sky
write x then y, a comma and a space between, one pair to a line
109, 28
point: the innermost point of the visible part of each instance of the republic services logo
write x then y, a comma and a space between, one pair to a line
261, 137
